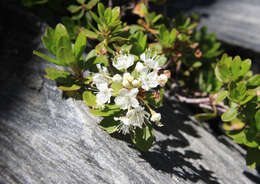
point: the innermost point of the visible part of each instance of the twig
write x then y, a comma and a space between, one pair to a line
110, 3
209, 107
205, 103
193, 100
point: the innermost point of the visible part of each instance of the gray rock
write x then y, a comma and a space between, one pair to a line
47, 139
235, 21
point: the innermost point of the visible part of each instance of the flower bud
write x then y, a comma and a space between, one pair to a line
156, 117
127, 76
139, 67
126, 83
136, 83
117, 78
162, 79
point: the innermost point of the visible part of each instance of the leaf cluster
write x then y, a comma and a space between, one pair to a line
190, 55
240, 90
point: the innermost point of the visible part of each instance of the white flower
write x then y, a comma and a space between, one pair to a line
99, 79
134, 118
127, 98
156, 117
104, 94
127, 79
117, 78
149, 80
127, 76
150, 61
102, 70
123, 61
141, 68
126, 83
136, 83
162, 79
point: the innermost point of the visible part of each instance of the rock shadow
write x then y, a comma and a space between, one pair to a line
164, 155
19, 35
252, 177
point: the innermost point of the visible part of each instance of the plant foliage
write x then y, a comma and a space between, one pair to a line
119, 70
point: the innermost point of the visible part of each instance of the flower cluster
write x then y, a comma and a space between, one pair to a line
127, 89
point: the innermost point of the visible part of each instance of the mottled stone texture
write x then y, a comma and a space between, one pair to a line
47, 139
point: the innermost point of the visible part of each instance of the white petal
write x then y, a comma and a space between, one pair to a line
121, 101
139, 67
133, 92
130, 60
117, 78
134, 102
102, 98
102, 86
142, 56
123, 91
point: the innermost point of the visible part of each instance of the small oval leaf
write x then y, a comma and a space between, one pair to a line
229, 115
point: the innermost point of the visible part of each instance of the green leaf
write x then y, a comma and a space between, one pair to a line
65, 57
156, 18
143, 138
73, 8
109, 124
55, 74
90, 34
101, 59
245, 67
95, 17
64, 42
253, 158
81, 1
89, 98
48, 40
237, 91
108, 16
64, 79
246, 137
161, 59
172, 37
116, 86
222, 71
60, 31
101, 9
78, 15
205, 116
139, 41
222, 74
235, 67
80, 45
229, 114
239, 137
221, 96
197, 64
43, 56
115, 13
254, 80
72, 87
91, 4
246, 99
65, 54
164, 37
257, 120
109, 110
